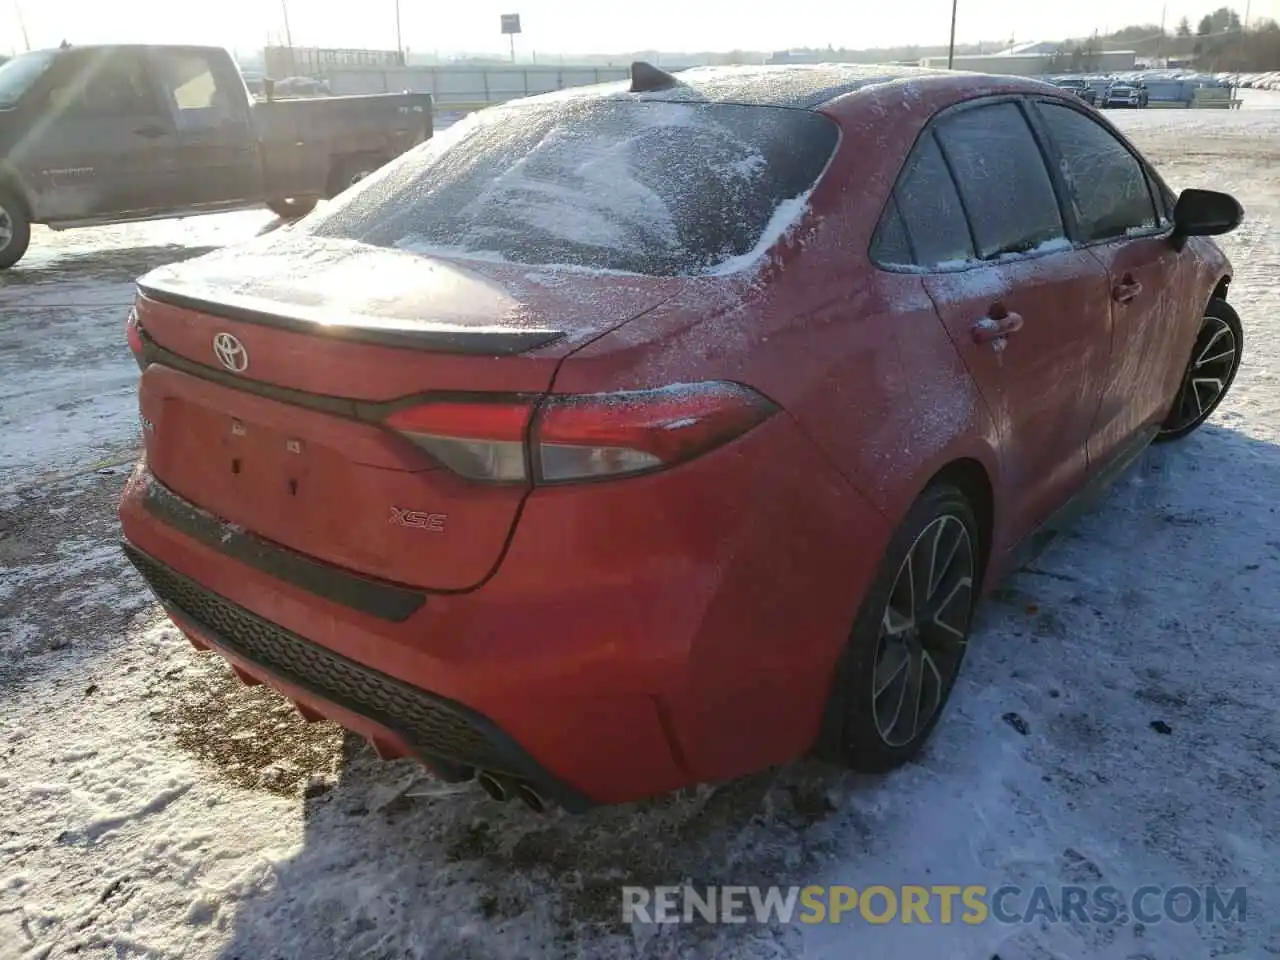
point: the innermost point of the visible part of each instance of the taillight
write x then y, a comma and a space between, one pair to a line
583, 436
614, 434
477, 439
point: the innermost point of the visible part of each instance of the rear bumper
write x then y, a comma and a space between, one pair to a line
400, 720
638, 636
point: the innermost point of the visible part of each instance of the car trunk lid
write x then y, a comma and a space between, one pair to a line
268, 379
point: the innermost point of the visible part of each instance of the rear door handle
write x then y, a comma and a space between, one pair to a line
151, 131
993, 328
1126, 290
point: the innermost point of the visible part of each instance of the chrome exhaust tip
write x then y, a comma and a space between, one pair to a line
532, 799
500, 790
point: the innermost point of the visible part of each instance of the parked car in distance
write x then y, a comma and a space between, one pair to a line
1125, 93
1099, 86
1079, 86
620, 440
299, 87
107, 134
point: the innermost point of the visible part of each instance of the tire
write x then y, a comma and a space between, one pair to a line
15, 230
868, 741
1210, 371
349, 171
288, 209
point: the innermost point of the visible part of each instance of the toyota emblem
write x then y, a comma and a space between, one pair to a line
231, 353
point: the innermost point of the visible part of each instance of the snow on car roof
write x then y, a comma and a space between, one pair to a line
803, 86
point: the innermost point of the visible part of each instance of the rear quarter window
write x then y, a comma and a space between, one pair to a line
619, 185
891, 244
932, 216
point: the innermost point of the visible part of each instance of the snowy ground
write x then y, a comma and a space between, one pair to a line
150, 806
67, 397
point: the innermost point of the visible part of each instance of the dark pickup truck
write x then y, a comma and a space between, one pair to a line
107, 134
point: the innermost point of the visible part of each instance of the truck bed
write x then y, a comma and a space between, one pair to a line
300, 136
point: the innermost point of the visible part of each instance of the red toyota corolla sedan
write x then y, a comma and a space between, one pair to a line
627, 438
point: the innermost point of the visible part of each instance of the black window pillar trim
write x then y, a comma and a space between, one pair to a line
1053, 160
955, 183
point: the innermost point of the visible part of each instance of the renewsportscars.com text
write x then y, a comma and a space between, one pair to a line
937, 903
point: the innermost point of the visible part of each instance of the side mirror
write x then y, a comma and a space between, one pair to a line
1205, 213
268, 88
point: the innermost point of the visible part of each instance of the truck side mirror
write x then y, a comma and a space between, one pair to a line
268, 88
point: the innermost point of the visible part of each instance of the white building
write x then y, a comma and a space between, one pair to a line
1038, 58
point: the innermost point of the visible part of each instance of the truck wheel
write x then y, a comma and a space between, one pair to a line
15, 230
350, 171
289, 209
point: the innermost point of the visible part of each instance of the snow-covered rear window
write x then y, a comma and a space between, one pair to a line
657, 188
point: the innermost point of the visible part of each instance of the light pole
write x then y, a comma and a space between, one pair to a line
951, 48
22, 24
399, 43
288, 36
1244, 28
1164, 12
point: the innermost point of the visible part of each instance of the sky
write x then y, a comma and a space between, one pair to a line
567, 26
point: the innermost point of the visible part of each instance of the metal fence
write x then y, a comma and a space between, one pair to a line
458, 88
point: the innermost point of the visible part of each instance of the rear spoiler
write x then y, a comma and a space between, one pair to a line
406, 333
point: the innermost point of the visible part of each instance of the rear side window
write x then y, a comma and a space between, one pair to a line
930, 208
666, 189
1107, 185
198, 97
1002, 178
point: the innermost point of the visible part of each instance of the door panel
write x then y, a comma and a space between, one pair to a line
976, 212
1117, 212
1152, 339
1030, 317
85, 156
1043, 379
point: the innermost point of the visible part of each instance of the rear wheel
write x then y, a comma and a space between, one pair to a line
350, 171
1215, 359
289, 209
15, 230
910, 636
